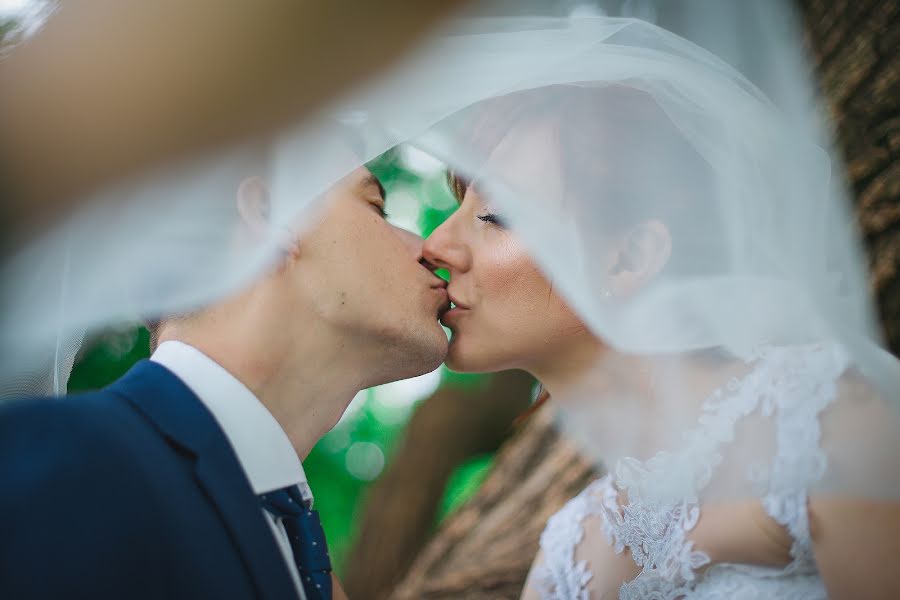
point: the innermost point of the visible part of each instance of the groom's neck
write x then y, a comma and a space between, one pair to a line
305, 381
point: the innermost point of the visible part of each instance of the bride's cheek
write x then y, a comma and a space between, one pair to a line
498, 281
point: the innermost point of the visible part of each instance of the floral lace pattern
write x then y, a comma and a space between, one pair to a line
560, 576
663, 493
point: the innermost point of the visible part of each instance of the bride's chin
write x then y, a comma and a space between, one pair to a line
462, 360
457, 359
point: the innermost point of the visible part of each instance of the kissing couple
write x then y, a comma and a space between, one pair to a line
636, 226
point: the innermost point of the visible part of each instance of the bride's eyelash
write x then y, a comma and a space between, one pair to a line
493, 219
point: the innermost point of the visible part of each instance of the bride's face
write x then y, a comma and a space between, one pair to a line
507, 314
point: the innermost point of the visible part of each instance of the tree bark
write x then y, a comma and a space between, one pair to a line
485, 549
854, 46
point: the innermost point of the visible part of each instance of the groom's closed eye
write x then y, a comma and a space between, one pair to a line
374, 193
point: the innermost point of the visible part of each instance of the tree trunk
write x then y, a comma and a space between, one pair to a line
452, 426
855, 48
485, 549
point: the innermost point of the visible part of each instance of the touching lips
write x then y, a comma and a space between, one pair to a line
456, 309
441, 291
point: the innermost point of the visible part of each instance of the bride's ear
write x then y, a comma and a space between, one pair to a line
643, 252
253, 206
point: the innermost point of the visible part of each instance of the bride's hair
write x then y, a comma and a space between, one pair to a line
614, 145
539, 401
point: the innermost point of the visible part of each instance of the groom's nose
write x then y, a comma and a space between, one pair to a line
415, 244
411, 241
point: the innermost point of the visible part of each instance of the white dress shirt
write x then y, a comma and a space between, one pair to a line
261, 445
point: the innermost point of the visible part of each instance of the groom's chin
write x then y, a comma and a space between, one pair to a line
435, 351
425, 350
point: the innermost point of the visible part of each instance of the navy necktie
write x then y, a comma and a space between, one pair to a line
307, 539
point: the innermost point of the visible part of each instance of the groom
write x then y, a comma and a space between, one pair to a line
184, 479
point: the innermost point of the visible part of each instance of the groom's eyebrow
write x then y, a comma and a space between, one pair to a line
370, 179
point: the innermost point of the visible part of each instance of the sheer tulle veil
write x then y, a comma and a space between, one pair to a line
576, 122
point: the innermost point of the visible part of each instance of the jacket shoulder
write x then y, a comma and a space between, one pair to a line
73, 495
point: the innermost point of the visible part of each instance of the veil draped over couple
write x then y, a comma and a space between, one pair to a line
651, 220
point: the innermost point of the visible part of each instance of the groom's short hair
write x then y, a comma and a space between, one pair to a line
154, 328
348, 136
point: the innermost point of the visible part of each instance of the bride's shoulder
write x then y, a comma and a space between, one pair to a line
854, 511
860, 433
821, 381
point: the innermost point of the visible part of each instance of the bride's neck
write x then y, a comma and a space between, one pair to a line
561, 367
592, 369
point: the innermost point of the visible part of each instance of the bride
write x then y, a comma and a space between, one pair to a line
677, 300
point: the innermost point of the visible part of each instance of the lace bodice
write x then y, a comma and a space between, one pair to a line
790, 387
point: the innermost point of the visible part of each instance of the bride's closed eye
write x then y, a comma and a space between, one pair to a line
493, 219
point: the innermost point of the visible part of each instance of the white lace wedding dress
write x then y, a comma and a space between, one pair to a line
656, 532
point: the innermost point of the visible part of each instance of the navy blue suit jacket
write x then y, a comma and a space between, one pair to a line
129, 492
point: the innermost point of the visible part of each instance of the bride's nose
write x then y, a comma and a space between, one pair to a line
447, 250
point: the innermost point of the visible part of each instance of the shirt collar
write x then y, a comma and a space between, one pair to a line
262, 447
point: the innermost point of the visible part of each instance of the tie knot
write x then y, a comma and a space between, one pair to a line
286, 502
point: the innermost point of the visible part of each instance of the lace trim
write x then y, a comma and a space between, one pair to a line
799, 460
560, 577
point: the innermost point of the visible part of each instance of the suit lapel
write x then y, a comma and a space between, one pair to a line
184, 421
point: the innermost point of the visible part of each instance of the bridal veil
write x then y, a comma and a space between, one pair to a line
580, 123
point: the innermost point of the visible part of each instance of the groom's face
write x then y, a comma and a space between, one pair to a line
366, 280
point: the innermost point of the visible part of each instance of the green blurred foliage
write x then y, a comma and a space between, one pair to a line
7, 27
10, 33
108, 357
463, 483
372, 427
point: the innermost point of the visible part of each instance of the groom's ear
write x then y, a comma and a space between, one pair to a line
253, 205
